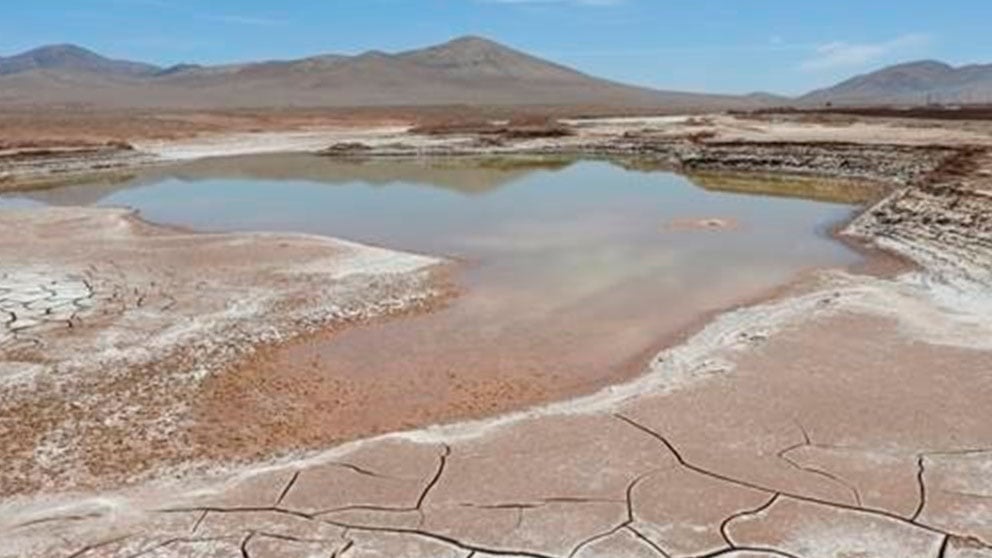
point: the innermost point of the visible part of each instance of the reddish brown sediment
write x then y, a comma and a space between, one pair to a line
846, 415
112, 325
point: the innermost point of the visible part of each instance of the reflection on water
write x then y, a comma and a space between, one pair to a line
570, 267
834, 191
476, 175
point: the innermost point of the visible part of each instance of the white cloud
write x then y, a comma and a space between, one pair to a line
840, 54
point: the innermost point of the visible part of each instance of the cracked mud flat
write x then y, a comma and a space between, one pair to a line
633, 471
847, 418
111, 325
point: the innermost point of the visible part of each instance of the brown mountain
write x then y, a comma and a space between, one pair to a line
71, 57
913, 83
467, 71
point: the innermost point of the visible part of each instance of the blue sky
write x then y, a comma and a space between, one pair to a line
785, 46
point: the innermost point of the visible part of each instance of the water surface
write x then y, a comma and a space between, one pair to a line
571, 271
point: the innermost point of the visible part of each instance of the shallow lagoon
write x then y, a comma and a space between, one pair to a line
572, 273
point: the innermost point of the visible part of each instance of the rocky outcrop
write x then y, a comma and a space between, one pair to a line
887, 163
943, 222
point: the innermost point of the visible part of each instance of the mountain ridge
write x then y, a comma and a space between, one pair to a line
469, 70
70, 56
917, 82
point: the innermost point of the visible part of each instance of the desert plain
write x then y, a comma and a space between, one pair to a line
844, 413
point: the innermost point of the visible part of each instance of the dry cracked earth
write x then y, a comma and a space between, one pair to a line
110, 327
32, 301
847, 418
809, 464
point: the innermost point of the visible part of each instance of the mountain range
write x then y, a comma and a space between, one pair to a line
913, 83
464, 71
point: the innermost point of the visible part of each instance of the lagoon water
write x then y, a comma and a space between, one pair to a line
571, 272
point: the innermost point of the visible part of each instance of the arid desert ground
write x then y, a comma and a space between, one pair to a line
843, 413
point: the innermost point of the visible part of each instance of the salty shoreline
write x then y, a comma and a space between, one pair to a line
707, 143
114, 323
726, 371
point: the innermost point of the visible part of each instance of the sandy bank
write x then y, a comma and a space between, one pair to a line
112, 324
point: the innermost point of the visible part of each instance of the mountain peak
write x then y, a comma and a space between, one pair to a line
54, 55
372, 54
67, 56
911, 83
479, 57
468, 46
931, 65
472, 40
60, 49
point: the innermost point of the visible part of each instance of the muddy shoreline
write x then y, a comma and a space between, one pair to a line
512, 399
705, 143
882, 164
862, 173
917, 306
112, 324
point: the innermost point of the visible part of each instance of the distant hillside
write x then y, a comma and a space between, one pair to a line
465, 71
913, 83
71, 58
